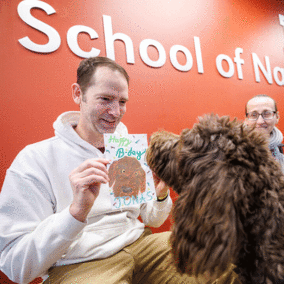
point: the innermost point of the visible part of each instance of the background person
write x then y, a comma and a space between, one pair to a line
262, 113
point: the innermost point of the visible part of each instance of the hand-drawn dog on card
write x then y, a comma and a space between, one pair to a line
127, 177
230, 209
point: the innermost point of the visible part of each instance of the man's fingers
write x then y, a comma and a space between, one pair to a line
162, 185
93, 179
93, 172
92, 163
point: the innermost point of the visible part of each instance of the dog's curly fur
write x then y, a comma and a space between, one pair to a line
230, 208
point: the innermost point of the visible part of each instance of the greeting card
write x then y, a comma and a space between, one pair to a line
131, 181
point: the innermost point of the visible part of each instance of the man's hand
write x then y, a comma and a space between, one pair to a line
162, 190
86, 182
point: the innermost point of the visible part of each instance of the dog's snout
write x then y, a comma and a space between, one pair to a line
126, 189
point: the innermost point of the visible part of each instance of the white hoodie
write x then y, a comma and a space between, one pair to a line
36, 229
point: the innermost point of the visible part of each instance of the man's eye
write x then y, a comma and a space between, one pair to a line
105, 99
267, 113
254, 114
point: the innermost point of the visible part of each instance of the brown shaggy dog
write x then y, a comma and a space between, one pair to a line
127, 177
230, 204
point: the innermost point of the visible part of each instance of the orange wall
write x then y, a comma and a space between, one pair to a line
35, 87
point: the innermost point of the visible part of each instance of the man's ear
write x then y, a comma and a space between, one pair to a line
76, 93
277, 116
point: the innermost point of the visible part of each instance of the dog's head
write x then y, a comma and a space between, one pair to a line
230, 204
127, 177
161, 156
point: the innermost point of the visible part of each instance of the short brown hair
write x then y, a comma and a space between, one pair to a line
87, 68
261, 96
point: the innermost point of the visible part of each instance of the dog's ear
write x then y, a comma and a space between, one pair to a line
204, 235
139, 173
112, 172
161, 156
142, 181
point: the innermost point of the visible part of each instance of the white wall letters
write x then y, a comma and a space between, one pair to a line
277, 70
198, 55
266, 72
144, 54
110, 38
24, 11
72, 41
173, 56
224, 57
54, 42
281, 20
189, 60
239, 62
237, 59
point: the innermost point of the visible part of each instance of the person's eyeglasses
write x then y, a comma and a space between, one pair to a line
266, 115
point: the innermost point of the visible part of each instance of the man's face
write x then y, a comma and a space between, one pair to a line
104, 102
259, 105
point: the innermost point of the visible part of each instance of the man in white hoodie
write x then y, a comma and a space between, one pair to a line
55, 212
262, 113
